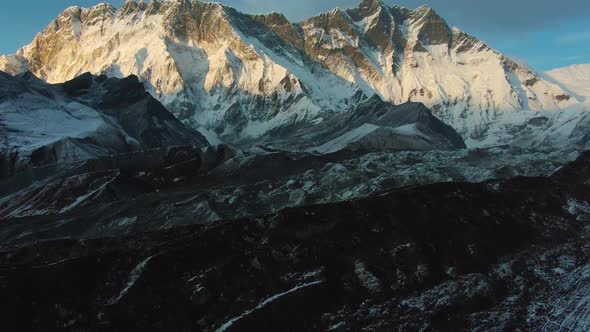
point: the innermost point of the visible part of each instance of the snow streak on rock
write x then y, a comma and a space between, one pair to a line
133, 277
264, 303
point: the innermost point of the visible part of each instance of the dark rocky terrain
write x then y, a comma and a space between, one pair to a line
158, 189
501, 255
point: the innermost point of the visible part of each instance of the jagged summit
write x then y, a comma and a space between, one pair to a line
366, 8
130, 7
370, 4
424, 9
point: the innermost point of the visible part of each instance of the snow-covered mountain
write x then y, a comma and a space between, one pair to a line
240, 78
576, 78
213, 66
81, 119
413, 55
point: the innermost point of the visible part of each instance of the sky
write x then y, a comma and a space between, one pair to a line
544, 34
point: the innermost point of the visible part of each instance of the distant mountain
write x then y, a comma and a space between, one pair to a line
378, 125
84, 118
576, 78
243, 78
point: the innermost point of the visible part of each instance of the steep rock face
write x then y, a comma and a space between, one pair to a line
280, 25
81, 119
241, 76
500, 255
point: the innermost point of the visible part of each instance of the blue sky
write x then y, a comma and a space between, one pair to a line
543, 33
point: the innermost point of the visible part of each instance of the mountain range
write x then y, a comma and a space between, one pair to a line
260, 79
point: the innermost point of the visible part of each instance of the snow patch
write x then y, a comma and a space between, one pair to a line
341, 142
133, 277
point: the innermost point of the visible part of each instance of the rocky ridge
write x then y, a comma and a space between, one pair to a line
87, 117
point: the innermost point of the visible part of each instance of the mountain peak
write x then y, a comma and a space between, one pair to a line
370, 3
180, 2
69, 13
272, 19
369, 7
152, 7
424, 8
433, 29
101, 5
72, 9
425, 12
129, 7
101, 8
335, 11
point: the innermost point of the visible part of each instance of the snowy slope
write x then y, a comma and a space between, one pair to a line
576, 78
377, 125
33, 116
546, 130
80, 119
244, 77
343, 141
